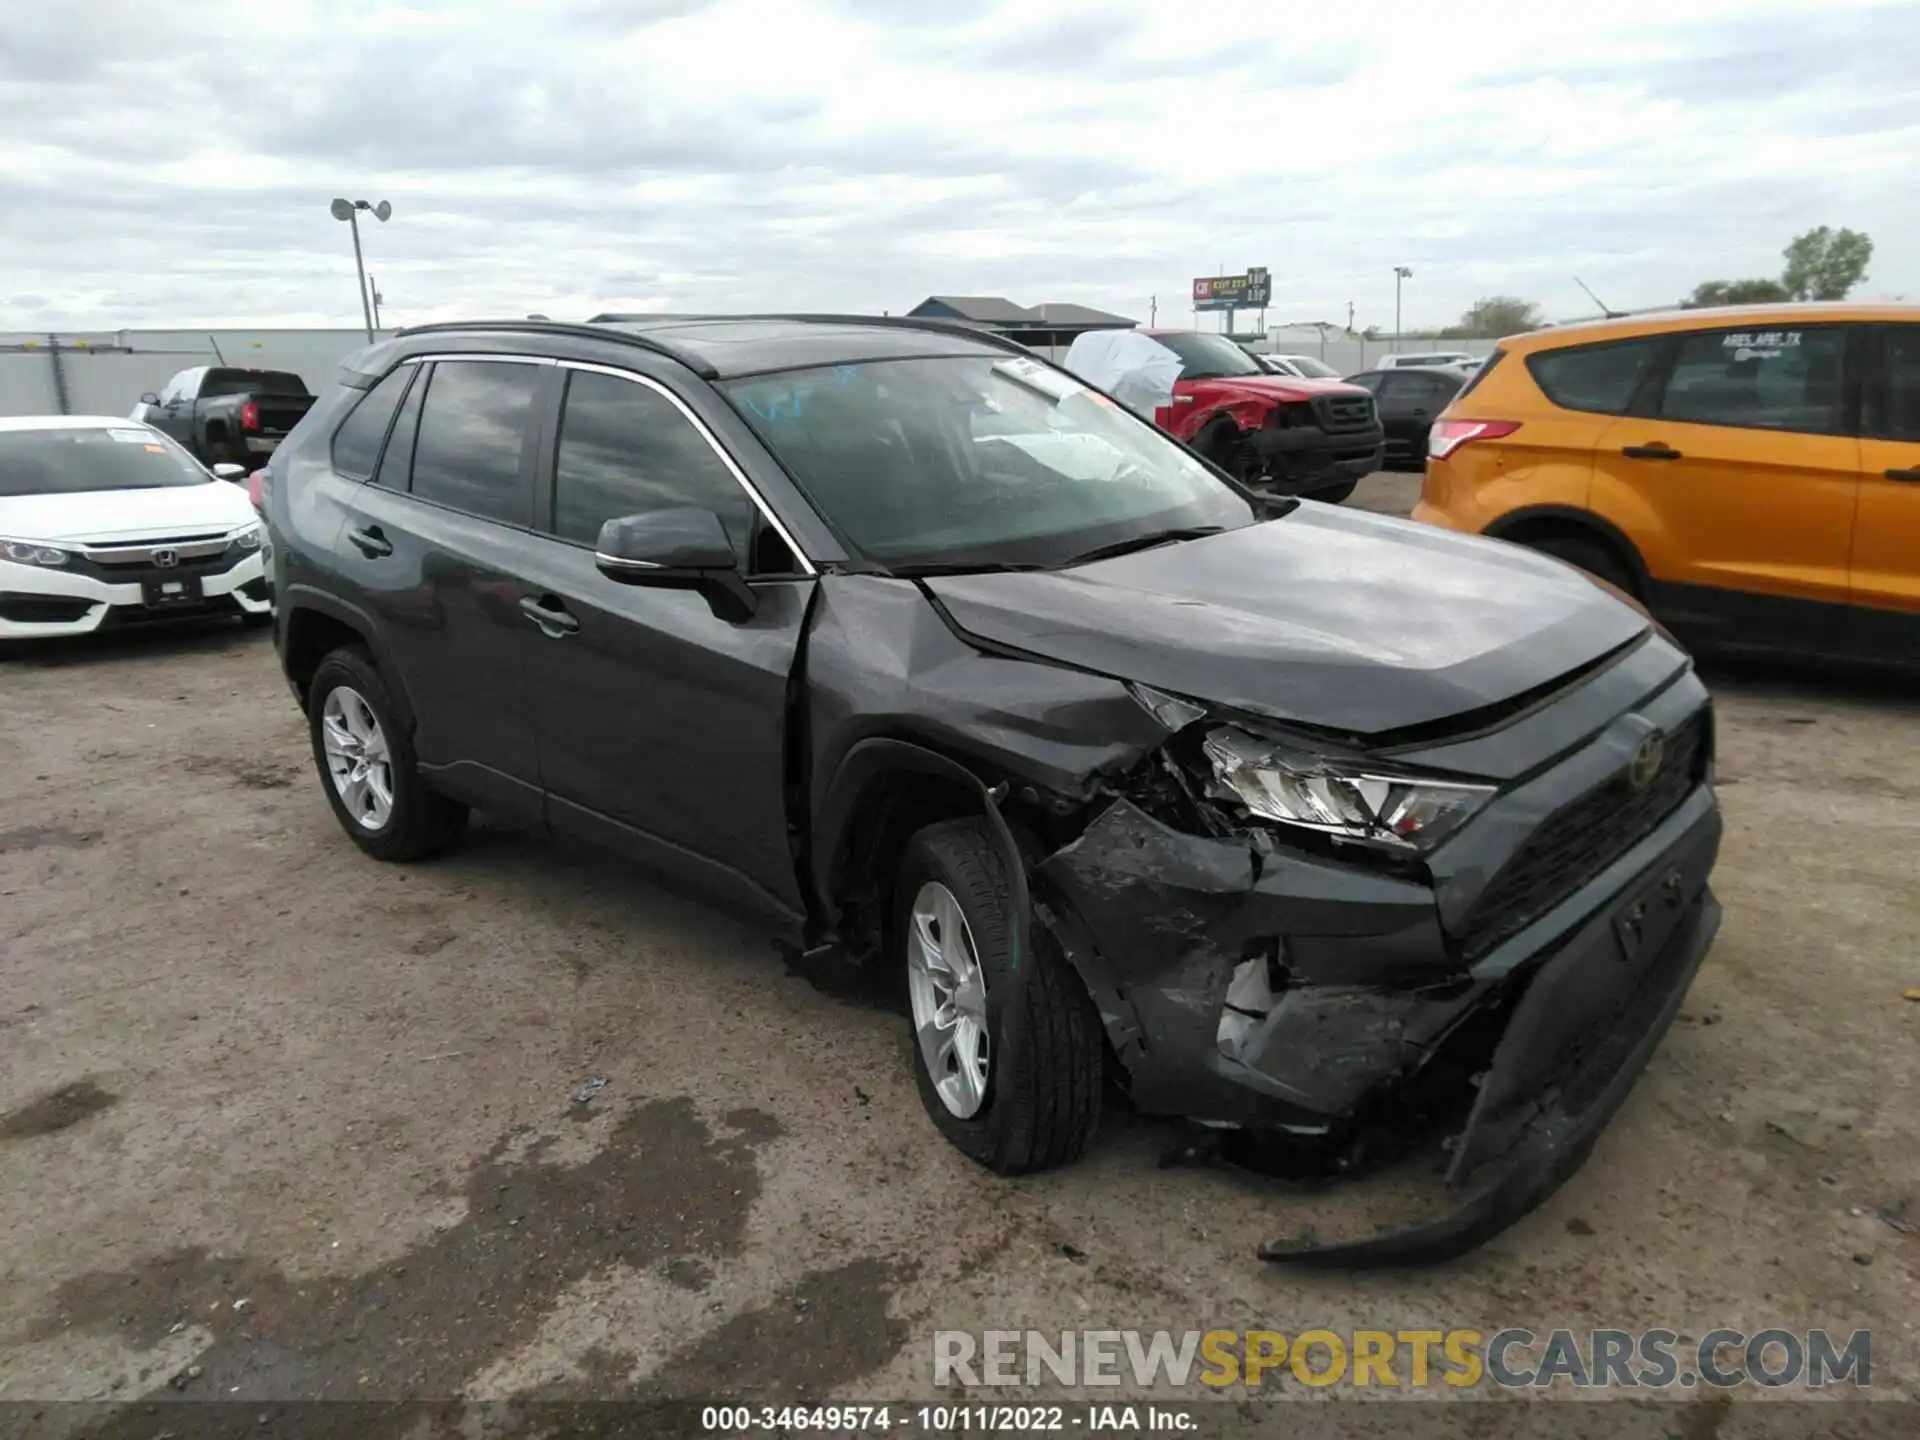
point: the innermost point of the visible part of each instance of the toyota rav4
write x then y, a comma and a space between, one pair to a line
1283, 818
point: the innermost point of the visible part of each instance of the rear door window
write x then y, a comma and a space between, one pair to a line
1775, 379
1597, 378
396, 461
475, 421
356, 444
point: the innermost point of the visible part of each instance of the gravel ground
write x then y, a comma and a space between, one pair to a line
308, 1125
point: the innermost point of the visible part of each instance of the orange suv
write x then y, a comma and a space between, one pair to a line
1751, 474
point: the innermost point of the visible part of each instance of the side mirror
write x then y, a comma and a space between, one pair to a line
680, 549
227, 470
148, 398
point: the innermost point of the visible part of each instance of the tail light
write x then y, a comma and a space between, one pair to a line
1447, 436
249, 416
253, 490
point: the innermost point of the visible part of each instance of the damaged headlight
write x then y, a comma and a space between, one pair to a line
1366, 804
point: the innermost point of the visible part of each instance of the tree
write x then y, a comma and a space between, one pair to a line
1494, 318
1735, 292
1824, 263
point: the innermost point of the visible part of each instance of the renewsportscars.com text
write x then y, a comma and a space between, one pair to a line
1510, 1359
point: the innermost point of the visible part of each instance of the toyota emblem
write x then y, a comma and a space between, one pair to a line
166, 559
1646, 761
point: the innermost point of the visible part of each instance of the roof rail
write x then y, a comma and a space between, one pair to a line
939, 325
590, 331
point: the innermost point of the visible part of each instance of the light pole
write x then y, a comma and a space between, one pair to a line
1400, 272
348, 210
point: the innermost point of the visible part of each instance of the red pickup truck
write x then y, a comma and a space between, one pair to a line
1274, 433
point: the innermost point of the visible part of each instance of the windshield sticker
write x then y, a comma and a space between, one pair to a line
1037, 377
132, 437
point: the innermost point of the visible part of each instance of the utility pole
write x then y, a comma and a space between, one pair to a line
1349, 317
373, 293
1400, 272
1153, 310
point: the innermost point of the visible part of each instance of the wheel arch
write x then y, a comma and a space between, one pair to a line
883, 790
1540, 522
318, 624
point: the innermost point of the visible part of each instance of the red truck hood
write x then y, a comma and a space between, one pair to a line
1261, 387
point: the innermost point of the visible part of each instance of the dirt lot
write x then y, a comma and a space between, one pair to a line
307, 1124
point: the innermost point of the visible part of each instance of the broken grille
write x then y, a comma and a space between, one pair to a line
1580, 840
1340, 414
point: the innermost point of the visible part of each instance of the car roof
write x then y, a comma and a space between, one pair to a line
69, 422
1712, 317
1452, 372
726, 346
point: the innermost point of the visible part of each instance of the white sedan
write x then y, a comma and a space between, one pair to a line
105, 521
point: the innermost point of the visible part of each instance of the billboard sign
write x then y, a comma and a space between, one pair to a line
1250, 291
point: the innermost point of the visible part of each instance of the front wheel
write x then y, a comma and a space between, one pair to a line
1593, 557
1007, 1053
366, 763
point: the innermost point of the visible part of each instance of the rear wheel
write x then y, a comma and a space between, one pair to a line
367, 767
1007, 1052
1591, 556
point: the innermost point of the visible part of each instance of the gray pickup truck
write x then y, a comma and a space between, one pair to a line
226, 415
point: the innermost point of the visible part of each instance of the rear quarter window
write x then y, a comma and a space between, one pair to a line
356, 444
1480, 374
1598, 378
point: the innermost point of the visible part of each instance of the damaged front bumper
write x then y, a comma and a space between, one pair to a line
1277, 991
1298, 460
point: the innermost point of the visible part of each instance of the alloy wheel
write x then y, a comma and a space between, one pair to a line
358, 761
948, 991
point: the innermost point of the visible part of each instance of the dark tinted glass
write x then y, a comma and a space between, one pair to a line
71, 461
251, 382
473, 427
1485, 370
1900, 403
356, 444
1760, 379
1368, 380
1593, 377
396, 461
625, 449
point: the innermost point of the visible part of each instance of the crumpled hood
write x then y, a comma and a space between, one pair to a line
146, 514
1326, 617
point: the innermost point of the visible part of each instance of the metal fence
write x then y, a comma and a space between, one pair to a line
1350, 354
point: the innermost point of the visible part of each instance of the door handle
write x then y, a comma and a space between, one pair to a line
553, 620
1912, 477
1655, 451
370, 541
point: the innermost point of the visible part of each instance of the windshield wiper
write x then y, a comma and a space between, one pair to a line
1140, 542
977, 567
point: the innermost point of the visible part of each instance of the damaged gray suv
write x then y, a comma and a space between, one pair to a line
1295, 821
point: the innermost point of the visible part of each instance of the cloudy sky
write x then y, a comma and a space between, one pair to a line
173, 163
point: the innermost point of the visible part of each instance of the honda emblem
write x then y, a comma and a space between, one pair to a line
166, 559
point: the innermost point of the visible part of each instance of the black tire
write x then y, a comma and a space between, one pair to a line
1593, 557
1047, 1058
1221, 444
1334, 494
421, 822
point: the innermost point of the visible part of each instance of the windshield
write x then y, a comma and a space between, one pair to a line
978, 461
1208, 357
70, 462
1313, 369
